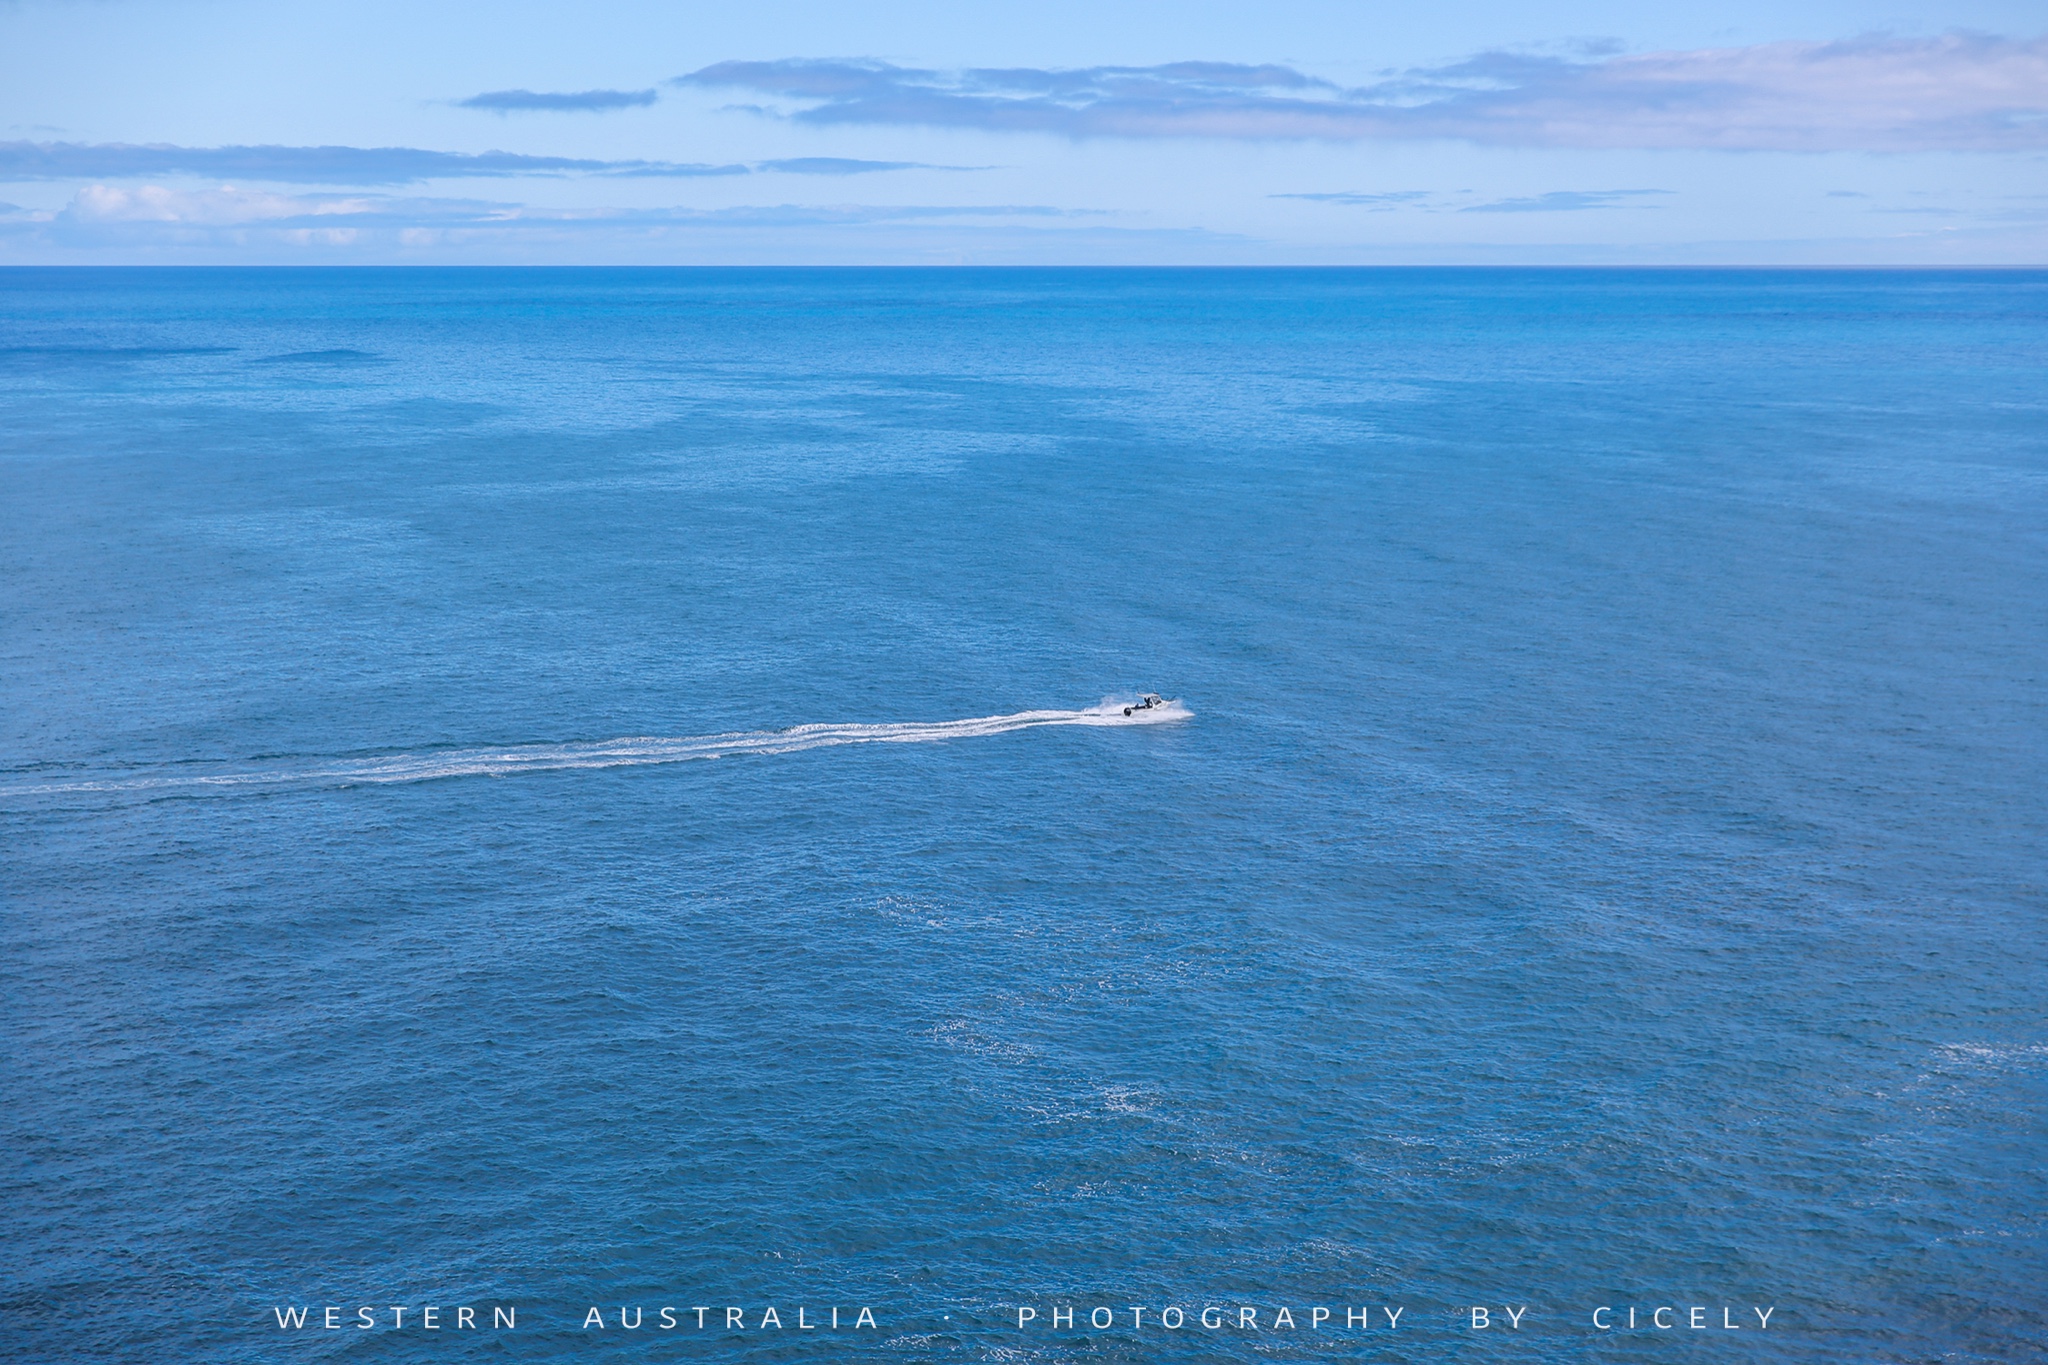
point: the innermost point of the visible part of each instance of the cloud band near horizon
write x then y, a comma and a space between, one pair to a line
1957, 92
96, 211
34, 161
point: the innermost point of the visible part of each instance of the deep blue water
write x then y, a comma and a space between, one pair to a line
1603, 864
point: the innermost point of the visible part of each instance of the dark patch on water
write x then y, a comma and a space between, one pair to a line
341, 356
114, 352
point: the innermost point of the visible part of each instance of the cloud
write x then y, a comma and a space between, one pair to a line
21, 161
839, 165
161, 223
1384, 199
226, 206
1563, 201
1957, 92
106, 215
1555, 201
104, 207
156, 204
24, 161
582, 101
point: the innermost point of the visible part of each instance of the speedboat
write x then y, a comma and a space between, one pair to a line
1145, 703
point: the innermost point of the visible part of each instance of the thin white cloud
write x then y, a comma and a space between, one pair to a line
110, 210
842, 165
100, 205
558, 102
1371, 199
166, 223
26, 161
1553, 201
1565, 201
1959, 92
21, 162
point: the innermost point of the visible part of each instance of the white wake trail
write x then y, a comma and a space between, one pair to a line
613, 753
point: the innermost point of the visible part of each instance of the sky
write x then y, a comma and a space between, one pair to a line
1284, 132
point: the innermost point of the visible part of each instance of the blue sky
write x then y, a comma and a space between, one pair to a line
1280, 132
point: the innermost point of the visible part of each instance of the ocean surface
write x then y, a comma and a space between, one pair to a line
593, 789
